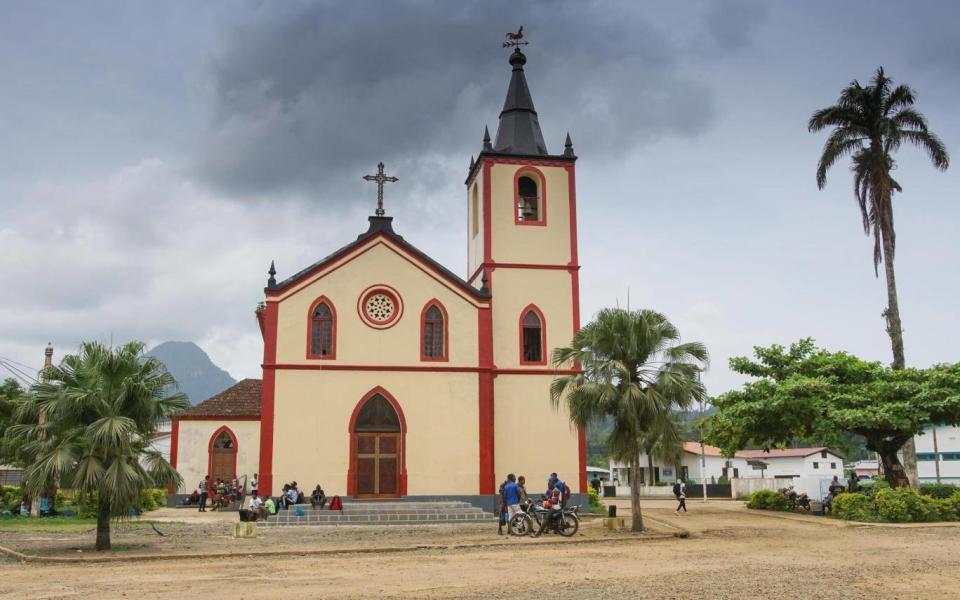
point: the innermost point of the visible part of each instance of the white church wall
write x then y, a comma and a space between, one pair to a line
193, 441
312, 416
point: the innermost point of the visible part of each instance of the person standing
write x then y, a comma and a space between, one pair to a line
202, 487
254, 486
522, 485
501, 506
680, 491
511, 497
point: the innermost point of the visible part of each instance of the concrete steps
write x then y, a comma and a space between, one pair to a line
382, 513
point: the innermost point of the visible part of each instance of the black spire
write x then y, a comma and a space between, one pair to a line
486, 138
519, 130
568, 146
272, 281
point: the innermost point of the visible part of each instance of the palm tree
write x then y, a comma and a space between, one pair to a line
869, 124
634, 369
87, 426
664, 442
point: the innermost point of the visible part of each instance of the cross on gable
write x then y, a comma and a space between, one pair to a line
380, 178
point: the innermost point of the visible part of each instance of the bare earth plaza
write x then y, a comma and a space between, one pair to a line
670, 366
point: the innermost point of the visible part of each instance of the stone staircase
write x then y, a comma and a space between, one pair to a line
377, 512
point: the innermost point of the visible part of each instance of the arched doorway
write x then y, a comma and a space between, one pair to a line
223, 455
377, 452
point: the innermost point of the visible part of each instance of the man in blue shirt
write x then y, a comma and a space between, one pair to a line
511, 495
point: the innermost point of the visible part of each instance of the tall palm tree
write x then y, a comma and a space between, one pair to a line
634, 369
869, 124
87, 426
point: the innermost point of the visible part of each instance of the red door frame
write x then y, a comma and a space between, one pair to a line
352, 468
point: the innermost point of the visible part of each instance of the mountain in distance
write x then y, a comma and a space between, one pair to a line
196, 375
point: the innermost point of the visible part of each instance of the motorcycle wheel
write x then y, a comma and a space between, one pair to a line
520, 525
569, 526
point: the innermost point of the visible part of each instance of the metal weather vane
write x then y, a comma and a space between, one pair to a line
515, 39
380, 178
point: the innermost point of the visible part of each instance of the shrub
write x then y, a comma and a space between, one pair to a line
10, 496
854, 507
939, 490
871, 488
594, 497
951, 506
723, 480
768, 500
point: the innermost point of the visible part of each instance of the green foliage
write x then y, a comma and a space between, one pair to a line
938, 490
807, 392
768, 500
854, 507
102, 407
10, 395
896, 505
595, 505
870, 489
10, 496
635, 370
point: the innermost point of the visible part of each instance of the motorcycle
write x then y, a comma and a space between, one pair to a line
797, 500
532, 513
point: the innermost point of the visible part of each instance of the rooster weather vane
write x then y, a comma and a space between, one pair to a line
514, 39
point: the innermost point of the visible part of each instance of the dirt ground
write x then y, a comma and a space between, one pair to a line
731, 553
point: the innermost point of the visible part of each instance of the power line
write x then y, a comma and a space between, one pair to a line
24, 377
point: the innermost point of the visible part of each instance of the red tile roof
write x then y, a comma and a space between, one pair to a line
787, 453
242, 399
708, 450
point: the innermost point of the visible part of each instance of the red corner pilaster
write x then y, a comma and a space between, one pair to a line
267, 399
575, 300
487, 217
174, 441
485, 404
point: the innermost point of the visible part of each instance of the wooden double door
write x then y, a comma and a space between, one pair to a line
378, 465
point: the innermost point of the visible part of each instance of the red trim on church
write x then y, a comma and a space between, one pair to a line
267, 399
446, 331
236, 449
333, 329
485, 402
541, 188
351, 474
575, 291
174, 441
487, 217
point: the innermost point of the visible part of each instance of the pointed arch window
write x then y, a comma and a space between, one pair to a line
433, 332
532, 337
322, 340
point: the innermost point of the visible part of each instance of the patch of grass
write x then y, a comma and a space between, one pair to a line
61, 524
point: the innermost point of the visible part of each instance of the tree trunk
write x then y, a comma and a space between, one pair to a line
893, 470
103, 524
635, 493
650, 470
895, 331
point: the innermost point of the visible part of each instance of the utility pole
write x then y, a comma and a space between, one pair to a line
703, 453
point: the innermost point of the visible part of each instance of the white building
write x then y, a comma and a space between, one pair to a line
821, 463
717, 466
938, 450
795, 462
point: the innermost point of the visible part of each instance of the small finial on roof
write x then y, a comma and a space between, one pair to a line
568, 146
472, 163
483, 283
486, 138
272, 281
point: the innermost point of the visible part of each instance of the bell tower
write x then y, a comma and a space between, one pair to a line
522, 247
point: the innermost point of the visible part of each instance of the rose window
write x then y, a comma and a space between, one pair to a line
380, 308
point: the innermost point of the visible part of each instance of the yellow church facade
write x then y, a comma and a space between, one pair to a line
386, 375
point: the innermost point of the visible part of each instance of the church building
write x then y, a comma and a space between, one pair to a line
386, 375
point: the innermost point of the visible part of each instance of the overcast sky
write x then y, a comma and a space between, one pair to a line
154, 157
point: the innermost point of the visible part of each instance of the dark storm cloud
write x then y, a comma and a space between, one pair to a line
307, 95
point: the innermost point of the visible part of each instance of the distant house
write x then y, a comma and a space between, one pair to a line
10, 475
865, 468
717, 466
598, 472
796, 462
792, 462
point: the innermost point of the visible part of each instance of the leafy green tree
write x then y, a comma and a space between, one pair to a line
807, 392
634, 369
88, 425
10, 394
869, 124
